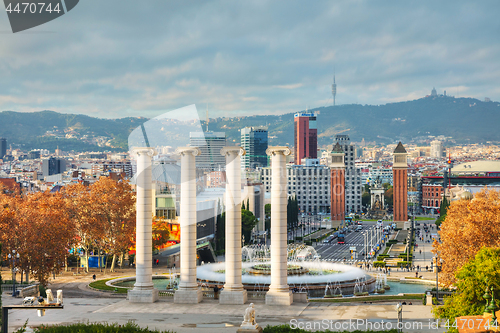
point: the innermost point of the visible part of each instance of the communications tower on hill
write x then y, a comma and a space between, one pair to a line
334, 88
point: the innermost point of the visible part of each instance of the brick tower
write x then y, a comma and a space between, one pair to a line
337, 186
400, 180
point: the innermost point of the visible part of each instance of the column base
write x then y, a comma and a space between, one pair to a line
233, 297
142, 295
279, 298
193, 296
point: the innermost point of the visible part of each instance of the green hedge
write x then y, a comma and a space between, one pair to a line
96, 328
298, 329
382, 257
403, 264
391, 241
378, 264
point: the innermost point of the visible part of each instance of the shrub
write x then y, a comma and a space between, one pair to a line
402, 264
296, 329
378, 264
92, 328
42, 289
382, 257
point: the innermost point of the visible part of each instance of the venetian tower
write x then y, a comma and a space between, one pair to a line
337, 186
400, 181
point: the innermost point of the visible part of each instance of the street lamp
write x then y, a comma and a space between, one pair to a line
14, 257
436, 257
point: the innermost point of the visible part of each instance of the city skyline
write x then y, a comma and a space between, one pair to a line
277, 57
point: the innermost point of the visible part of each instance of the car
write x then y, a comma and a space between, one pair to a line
359, 228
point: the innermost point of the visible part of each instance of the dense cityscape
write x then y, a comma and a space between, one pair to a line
249, 167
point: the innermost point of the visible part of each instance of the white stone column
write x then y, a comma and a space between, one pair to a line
188, 292
233, 292
143, 291
279, 293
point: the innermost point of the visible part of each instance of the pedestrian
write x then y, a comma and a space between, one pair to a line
426, 268
389, 271
420, 251
93, 277
418, 268
416, 275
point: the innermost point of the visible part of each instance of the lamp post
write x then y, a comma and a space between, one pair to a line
14, 257
436, 257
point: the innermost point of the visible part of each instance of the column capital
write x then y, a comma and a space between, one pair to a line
278, 150
144, 151
233, 150
195, 151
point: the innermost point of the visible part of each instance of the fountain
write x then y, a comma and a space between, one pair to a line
360, 288
306, 272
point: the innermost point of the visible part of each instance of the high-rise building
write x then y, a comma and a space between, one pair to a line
400, 180
308, 182
352, 175
306, 136
255, 142
53, 166
3, 147
210, 144
34, 155
437, 149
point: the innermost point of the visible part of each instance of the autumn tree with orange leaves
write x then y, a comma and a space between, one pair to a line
469, 226
37, 227
161, 232
79, 210
113, 209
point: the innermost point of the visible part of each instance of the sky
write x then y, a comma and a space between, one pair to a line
114, 59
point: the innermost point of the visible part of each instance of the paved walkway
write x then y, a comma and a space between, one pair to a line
210, 317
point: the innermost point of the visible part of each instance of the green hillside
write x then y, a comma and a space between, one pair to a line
463, 119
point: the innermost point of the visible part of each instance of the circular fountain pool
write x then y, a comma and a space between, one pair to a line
305, 272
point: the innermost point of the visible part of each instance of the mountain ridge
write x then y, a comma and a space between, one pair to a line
463, 119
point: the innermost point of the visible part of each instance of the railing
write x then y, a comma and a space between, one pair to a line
32, 290
23, 289
165, 293
256, 294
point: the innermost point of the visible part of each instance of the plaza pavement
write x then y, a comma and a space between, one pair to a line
81, 304
210, 317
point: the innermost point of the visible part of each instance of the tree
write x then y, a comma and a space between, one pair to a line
471, 281
79, 209
248, 222
469, 225
267, 213
443, 209
43, 234
114, 208
161, 232
365, 199
221, 232
388, 196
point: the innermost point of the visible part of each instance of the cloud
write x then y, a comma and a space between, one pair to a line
141, 58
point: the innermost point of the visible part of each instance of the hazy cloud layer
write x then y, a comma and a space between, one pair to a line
139, 58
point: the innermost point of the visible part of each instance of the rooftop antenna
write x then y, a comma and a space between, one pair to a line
334, 87
207, 118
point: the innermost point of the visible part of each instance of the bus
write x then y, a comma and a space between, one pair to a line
341, 239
